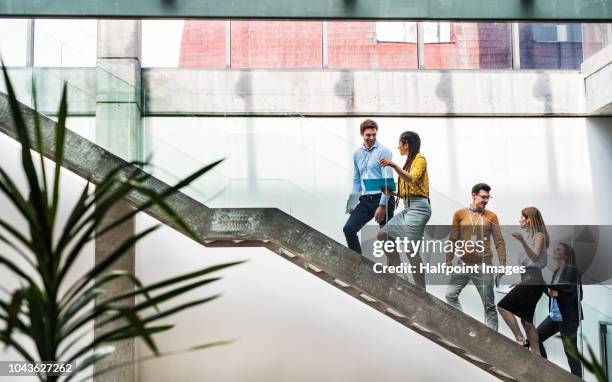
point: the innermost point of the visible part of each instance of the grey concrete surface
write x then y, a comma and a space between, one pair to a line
313, 93
119, 129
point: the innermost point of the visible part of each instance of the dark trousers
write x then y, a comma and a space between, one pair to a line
569, 329
361, 215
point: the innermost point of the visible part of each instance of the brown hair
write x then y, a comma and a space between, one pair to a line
570, 254
536, 223
368, 124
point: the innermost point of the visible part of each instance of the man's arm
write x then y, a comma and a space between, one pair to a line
356, 176
500, 244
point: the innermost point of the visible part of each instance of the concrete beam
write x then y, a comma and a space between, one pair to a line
597, 72
314, 93
354, 93
508, 10
330, 261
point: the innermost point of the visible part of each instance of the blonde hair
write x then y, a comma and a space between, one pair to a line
535, 223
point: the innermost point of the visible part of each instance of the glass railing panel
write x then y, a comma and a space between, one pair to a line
65, 43
14, 41
590, 332
605, 335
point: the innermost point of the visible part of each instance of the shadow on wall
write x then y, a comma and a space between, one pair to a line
599, 140
542, 90
444, 91
244, 88
345, 90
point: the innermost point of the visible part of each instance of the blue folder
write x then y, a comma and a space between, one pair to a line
379, 183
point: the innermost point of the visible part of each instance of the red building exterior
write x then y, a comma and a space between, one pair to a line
355, 45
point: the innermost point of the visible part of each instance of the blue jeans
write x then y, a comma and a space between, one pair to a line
361, 215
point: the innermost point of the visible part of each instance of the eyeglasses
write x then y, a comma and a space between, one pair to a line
485, 197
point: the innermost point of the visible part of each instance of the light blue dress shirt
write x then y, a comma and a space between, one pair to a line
366, 166
555, 313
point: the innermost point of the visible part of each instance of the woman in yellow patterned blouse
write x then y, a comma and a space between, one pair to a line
413, 189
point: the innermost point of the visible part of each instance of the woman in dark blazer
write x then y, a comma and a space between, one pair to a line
564, 293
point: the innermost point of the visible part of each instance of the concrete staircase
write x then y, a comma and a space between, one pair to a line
316, 253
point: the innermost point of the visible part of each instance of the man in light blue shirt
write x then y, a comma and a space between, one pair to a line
372, 204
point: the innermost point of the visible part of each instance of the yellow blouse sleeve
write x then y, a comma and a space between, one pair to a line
418, 167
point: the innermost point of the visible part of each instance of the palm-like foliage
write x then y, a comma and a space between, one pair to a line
46, 312
591, 365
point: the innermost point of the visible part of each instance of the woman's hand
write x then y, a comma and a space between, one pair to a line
386, 162
518, 236
388, 192
553, 293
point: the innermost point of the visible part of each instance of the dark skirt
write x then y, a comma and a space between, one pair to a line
523, 298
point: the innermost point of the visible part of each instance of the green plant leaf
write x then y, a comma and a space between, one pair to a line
596, 367
173, 281
177, 309
99, 282
118, 334
13, 311
15, 268
119, 252
14, 195
77, 212
60, 134
16, 234
108, 261
591, 365
82, 301
21, 129
162, 355
40, 146
106, 306
19, 324
70, 228
15, 345
161, 298
18, 250
158, 199
97, 355
102, 203
38, 322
